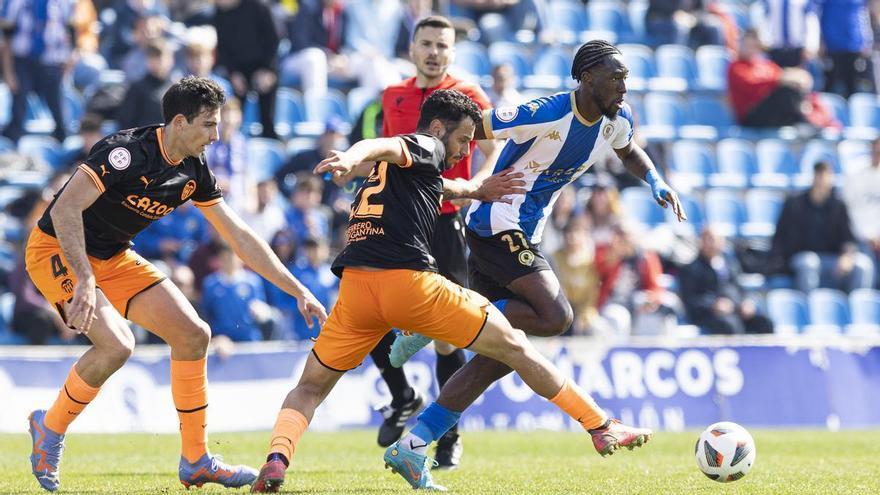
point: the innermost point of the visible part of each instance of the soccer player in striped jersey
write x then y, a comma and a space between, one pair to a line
552, 141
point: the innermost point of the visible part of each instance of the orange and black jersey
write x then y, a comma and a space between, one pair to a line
139, 184
395, 210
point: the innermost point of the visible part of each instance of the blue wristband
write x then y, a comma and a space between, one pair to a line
659, 188
652, 178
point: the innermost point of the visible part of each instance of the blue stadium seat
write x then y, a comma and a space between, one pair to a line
635, 11
5, 105
676, 65
494, 28
853, 154
567, 20
736, 163
606, 15
6, 144
265, 156
504, 52
829, 311
639, 59
640, 206
788, 310
724, 209
250, 114
712, 62
288, 111
711, 112
323, 107
837, 105
74, 107
664, 114
551, 69
864, 114
45, 147
471, 58
814, 151
762, 211
776, 164
692, 163
864, 306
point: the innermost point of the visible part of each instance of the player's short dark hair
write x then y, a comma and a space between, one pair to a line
822, 166
434, 21
191, 96
590, 54
449, 106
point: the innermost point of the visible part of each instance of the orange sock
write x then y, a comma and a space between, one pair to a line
579, 405
74, 396
189, 387
289, 427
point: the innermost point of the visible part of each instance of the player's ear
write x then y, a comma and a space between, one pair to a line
178, 121
437, 128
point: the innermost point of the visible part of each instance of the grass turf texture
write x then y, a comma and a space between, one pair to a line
788, 462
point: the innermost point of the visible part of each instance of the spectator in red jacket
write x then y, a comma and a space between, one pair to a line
763, 94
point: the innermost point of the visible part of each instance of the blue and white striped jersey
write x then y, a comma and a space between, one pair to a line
40, 29
552, 144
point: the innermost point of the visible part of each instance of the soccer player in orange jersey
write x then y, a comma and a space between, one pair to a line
80, 258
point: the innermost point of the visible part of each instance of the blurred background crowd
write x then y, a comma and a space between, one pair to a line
763, 115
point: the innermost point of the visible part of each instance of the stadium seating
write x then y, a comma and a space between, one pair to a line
724, 209
676, 68
864, 306
693, 162
639, 59
776, 164
712, 62
288, 111
710, 119
788, 310
853, 154
664, 114
864, 114
567, 21
471, 58
829, 312
265, 156
814, 151
609, 16
762, 211
551, 69
837, 105
505, 52
358, 99
641, 206
736, 163
322, 107
695, 217
46, 148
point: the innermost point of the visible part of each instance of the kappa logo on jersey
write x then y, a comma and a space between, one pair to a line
104, 170
506, 114
534, 166
188, 190
119, 158
553, 135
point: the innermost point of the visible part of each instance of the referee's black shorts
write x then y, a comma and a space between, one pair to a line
449, 248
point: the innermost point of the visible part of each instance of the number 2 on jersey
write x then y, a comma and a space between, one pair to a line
364, 208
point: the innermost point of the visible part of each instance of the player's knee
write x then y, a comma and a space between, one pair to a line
198, 335
118, 350
514, 342
557, 320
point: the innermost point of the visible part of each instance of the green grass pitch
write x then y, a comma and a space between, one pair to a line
788, 462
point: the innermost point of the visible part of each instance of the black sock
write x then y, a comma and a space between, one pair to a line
448, 365
401, 392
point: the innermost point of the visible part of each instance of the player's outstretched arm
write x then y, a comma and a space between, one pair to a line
495, 188
343, 164
257, 254
639, 164
67, 220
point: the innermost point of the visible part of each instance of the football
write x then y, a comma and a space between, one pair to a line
725, 452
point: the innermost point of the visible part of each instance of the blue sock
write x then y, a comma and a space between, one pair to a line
434, 422
501, 304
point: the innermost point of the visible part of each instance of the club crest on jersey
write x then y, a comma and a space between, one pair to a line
607, 130
188, 190
119, 158
506, 114
526, 257
67, 285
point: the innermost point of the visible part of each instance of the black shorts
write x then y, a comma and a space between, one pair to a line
449, 249
496, 261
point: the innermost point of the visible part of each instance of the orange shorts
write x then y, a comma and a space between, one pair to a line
373, 302
122, 277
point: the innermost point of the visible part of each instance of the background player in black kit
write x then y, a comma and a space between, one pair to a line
80, 258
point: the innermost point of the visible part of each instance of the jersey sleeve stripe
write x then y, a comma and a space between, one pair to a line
487, 123
92, 175
406, 154
205, 204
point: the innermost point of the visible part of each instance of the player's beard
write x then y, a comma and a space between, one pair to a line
445, 140
608, 110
